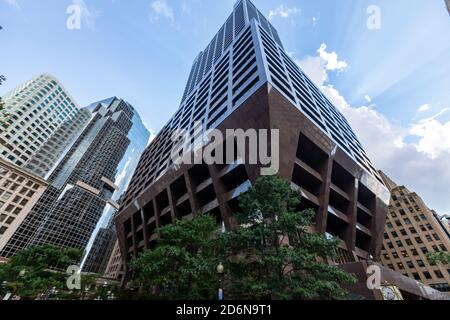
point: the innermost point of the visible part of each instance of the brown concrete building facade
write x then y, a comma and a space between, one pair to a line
114, 268
19, 191
245, 80
346, 198
412, 231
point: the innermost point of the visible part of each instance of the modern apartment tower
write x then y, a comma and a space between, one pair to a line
244, 79
413, 231
84, 184
42, 120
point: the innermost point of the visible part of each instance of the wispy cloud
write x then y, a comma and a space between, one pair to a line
14, 3
161, 9
424, 108
283, 12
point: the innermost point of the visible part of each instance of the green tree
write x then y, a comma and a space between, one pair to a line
183, 264
4, 115
28, 273
441, 257
273, 256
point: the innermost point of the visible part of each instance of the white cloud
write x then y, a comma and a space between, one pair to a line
368, 98
434, 137
314, 68
422, 165
317, 67
14, 3
331, 59
283, 12
160, 9
424, 108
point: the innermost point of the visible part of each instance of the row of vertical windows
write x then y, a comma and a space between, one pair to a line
287, 77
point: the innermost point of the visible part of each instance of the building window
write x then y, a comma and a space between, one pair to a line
420, 263
443, 287
427, 275
416, 276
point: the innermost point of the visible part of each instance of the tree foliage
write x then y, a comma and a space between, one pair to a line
183, 263
441, 257
273, 256
28, 273
4, 115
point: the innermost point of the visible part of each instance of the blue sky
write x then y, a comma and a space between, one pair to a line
392, 83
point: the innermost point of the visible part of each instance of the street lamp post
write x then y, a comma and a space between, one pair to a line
5, 289
220, 270
52, 292
103, 296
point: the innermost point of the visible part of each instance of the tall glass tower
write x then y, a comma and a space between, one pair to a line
42, 121
244, 79
87, 182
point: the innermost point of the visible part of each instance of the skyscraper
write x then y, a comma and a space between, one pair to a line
85, 184
244, 79
43, 120
413, 231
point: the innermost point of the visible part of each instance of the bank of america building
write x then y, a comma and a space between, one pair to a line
244, 79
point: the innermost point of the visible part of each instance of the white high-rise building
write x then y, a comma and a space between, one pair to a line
42, 121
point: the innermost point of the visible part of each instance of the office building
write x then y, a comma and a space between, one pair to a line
83, 187
43, 120
19, 191
412, 232
115, 268
245, 79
